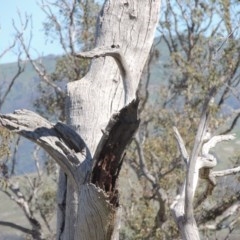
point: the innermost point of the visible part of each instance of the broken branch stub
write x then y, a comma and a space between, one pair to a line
109, 154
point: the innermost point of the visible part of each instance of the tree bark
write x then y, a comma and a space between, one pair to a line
129, 25
102, 109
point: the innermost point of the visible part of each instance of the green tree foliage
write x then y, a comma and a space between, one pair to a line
73, 22
4, 152
4, 142
203, 52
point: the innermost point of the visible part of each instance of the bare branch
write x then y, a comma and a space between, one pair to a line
19, 198
19, 71
5, 51
181, 146
16, 226
142, 162
226, 172
218, 223
39, 68
232, 125
36, 160
204, 159
158, 191
14, 160
194, 155
48, 11
42, 132
213, 141
71, 27
143, 91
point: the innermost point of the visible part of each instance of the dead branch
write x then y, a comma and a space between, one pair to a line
18, 197
142, 162
5, 51
181, 146
49, 13
218, 222
213, 141
226, 172
45, 134
38, 67
154, 181
204, 160
16, 226
21, 68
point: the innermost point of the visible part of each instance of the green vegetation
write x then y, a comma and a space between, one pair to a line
198, 50
202, 57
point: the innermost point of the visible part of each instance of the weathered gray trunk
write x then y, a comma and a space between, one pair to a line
102, 109
93, 99
129, 25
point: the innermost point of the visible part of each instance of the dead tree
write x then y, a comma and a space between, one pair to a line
199, 164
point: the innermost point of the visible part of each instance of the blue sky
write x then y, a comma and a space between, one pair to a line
39, 46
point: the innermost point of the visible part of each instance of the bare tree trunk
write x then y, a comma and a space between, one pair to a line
102, 109
129, 26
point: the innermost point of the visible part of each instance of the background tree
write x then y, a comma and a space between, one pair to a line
201, 51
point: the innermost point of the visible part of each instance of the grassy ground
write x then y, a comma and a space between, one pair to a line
11, 212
